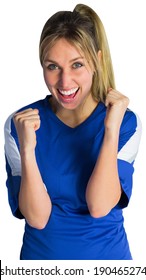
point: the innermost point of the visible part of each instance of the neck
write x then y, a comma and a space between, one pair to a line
74, 117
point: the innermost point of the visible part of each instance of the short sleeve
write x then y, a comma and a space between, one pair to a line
13, 166
129, 140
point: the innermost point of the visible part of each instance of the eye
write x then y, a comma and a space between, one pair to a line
77, 65
52, 67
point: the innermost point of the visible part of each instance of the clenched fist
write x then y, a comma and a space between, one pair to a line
26, 123
116, 104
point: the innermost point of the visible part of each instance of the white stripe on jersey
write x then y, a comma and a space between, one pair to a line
11, 149
130, 149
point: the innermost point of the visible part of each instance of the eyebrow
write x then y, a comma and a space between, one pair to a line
72, 60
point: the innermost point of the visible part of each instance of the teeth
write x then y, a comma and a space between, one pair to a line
68, 92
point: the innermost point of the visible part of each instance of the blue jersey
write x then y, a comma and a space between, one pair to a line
66, 157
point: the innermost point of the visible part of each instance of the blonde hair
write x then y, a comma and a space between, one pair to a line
83, 29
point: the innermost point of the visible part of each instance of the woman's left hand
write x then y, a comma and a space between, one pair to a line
116, 104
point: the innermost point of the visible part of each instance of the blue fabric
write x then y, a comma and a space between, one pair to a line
66, 157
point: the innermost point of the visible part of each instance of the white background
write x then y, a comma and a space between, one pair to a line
21, 82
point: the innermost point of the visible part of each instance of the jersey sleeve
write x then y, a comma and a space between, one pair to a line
13, 166
129, 139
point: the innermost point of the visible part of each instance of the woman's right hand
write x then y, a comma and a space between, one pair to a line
26, 123
34, 201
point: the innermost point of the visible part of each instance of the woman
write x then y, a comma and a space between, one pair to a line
70, 155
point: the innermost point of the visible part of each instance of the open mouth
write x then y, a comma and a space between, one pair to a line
68, 94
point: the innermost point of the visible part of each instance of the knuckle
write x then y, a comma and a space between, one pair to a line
16, 118
126, 100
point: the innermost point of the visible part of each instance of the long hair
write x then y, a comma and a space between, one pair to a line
83, 29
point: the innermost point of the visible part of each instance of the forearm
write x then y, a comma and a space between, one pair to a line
103, 189
34, 201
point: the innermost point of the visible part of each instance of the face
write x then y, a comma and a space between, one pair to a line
68, 76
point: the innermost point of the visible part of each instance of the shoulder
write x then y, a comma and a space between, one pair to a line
39, 104
130, 135
131, 122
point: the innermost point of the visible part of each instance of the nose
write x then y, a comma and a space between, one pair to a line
65, 78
